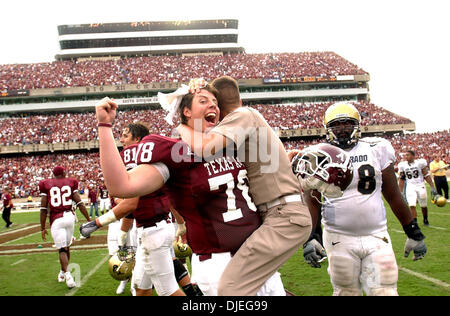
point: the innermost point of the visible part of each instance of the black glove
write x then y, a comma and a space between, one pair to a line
412, 230
415, 241
433, 193
314, 253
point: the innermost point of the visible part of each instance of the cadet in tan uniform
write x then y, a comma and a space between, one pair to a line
273, 187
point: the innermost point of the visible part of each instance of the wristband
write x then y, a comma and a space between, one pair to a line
412, 230
312, 236
104, 125
107, 218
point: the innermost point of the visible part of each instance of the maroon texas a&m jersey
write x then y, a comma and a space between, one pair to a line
212, 197
59, 192
104, 194
153, 207
6, 199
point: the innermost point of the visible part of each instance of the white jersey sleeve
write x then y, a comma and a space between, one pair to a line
385, 152
422, 163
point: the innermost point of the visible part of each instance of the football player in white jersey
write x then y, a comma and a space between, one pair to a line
414, 173
355, 234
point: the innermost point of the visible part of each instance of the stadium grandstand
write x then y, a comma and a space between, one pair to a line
149, 38
47, 114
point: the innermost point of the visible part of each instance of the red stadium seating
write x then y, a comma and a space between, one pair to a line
425, 145
24, 173
81, 127
135, 70
311, 115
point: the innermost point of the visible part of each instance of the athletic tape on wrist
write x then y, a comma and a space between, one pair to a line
107, 218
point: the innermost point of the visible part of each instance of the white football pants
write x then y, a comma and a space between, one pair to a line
359, 263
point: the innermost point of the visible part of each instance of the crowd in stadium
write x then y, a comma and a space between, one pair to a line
310, 115
66, 127
135, 70
426, 145
22, 174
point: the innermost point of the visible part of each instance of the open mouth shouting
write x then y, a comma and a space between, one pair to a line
211, 118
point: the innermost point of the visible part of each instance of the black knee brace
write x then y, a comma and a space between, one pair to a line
180, 270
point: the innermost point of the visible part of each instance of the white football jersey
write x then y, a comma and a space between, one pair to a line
413, 171
360, 211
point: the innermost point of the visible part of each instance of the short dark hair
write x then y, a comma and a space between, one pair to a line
187, 102
138, 130
411, 152
228, 91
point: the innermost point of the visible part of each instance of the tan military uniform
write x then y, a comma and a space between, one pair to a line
276, 192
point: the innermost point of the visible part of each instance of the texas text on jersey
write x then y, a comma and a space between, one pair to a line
211, 196
153, 207
59, 192
365, 214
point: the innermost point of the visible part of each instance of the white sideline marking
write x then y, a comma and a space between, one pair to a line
397, 231
439, 214
19, 230
90, 273
31, 210
440, 228
14, 240
13, 251
424, 277
56, 261
17, 262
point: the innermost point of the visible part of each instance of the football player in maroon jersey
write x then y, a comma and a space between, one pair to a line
7, 206
57, 195
132, 135
105, 204
151, 213
212, 196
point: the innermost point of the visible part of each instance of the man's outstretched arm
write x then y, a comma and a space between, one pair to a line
119, 211
202, 144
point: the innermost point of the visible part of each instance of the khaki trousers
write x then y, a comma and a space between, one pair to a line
285, 228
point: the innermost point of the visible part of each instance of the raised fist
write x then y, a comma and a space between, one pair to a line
105, 111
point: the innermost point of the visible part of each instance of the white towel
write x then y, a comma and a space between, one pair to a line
171, 101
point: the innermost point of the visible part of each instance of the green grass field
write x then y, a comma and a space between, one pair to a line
35, 274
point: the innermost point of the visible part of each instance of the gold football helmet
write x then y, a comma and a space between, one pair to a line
439, 200
121, 270
181, 249
342, 137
